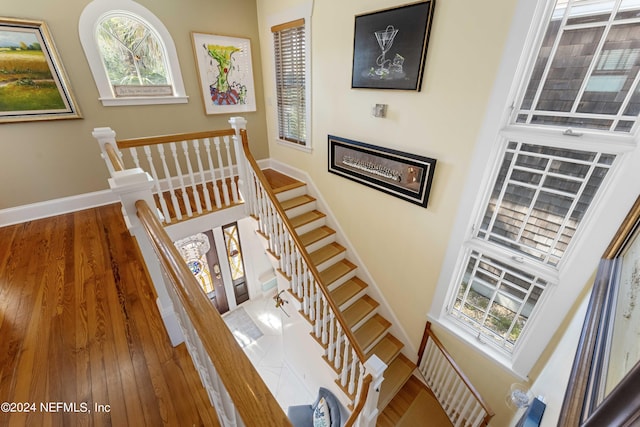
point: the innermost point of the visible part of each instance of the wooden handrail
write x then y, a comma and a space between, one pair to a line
428, 334
303, 251
115, 160
254, 402
360, 405
162, 139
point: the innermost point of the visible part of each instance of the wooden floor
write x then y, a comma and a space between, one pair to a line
79, 328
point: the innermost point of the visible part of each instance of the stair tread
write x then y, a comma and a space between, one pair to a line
280, 182
396, 374
387, 349
359, 310
306, 218
347, 290
336, 271
371, 330
316, 235
326, 252
296, 201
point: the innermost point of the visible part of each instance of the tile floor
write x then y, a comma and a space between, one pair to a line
266, 354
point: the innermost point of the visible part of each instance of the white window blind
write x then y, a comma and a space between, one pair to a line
290, 59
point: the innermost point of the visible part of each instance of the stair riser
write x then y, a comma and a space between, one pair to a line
320, 243
319, 222
364, 319
290, 194
342, 279
353, 299
328, 263
299, 210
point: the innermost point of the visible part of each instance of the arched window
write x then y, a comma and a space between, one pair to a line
131, 54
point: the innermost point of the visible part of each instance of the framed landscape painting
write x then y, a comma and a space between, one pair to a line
33, 84
225, 73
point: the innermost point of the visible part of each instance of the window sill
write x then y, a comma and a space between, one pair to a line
144, 100
305, 148
502, 359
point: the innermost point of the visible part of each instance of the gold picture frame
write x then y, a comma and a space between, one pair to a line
602, 388
33, 83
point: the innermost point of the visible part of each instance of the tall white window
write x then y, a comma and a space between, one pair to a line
290, 51
131, 54
559, 146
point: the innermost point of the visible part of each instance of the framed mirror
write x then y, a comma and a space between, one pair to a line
605, 377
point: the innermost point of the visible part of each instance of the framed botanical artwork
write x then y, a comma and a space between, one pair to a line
404, 175
390, 47
225, 73
603, 384
33, 83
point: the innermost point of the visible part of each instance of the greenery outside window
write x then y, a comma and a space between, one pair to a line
131, 54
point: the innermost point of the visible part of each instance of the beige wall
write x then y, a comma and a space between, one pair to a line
401, 244
46, 160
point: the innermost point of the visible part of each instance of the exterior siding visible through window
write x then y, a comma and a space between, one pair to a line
290, 63
584, 80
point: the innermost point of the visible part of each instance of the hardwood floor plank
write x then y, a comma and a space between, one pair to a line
79, 325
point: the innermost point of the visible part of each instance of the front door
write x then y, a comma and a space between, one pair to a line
236, 263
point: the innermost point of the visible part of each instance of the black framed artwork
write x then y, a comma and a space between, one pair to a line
390, 47
403, 175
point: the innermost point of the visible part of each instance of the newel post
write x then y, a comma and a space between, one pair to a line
369, 416
105, 136
133, 185
238, 123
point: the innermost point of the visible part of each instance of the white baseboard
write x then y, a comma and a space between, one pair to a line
54, 207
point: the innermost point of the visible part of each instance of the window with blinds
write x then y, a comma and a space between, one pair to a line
291, 69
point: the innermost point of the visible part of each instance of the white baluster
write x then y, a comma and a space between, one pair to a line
212, 170
134, 155
312, 295
192, 177
169, 181
203, 179
223, 179
234, 188
345, 367
154, 174
176, 163
337, 362
332, 345
325, 320
354, 367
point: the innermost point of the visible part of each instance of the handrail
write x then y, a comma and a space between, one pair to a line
114, 158
428, 334
254, 402
301, 248
162, 139
357, 410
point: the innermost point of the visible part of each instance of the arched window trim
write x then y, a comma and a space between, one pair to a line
90, 18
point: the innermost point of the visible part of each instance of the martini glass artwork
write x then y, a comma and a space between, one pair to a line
385, 41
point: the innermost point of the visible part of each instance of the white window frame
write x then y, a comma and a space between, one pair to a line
618, 192
91, 17
302, 12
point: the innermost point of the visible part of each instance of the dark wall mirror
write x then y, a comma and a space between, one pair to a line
605, 378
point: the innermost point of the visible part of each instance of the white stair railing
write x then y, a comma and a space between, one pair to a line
188, 177
458, 398
329, 327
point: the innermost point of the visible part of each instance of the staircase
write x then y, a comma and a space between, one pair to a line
347, 290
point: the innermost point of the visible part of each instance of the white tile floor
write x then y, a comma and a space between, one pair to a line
266, 354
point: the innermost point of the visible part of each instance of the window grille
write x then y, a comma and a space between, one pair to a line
585, 75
